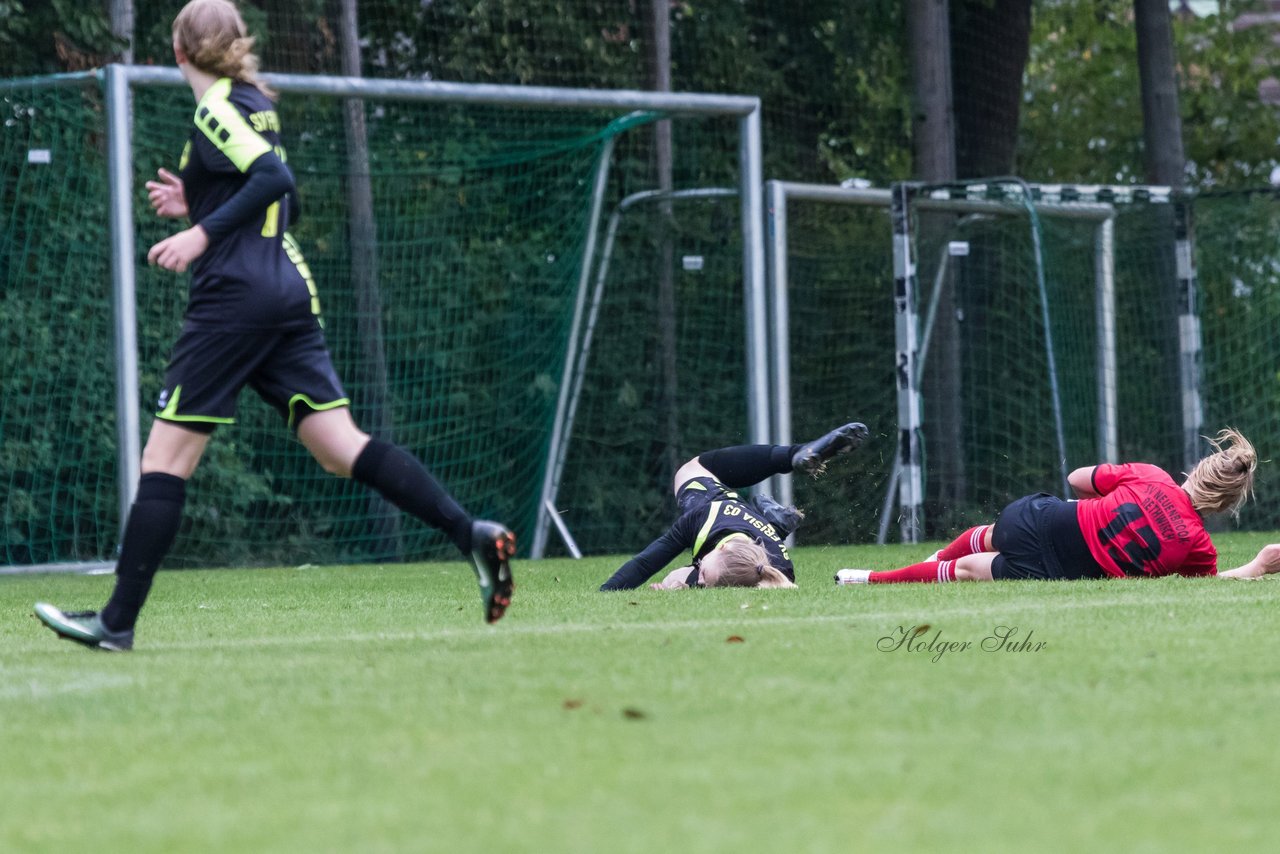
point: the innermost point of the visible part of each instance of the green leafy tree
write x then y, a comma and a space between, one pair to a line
1082, 113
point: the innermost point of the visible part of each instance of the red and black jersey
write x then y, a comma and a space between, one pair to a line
1143, 524
237, 187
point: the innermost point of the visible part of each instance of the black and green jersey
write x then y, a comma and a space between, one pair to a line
237, 187
699, 529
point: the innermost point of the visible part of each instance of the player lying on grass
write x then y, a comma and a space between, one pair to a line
1130, 520
735, 542
252, 319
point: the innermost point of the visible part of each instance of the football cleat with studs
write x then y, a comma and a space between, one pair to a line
812, 457
492, 548
83, 627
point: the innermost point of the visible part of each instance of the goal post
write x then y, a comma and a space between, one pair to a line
900, 206
582, 332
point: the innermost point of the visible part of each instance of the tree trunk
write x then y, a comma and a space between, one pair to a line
933, 133
1164, 164
660, 81
933, 128
991, 40
1161, 123
122, 26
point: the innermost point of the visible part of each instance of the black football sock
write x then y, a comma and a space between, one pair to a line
153, 523
745, 465
405, 482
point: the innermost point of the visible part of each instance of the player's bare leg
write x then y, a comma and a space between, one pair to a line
345, 450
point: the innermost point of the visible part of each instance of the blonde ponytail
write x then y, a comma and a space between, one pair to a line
1223, 481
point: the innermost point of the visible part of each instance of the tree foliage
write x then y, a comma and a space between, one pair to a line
1082, 107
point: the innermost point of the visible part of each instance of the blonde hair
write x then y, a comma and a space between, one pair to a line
214, 38
746, 564
1223, 481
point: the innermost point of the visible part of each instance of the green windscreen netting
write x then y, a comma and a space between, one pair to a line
448, 320
1238, 261
840, 273
449, 292
57, 374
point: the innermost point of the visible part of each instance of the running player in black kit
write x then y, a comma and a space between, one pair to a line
253, 318
734, 542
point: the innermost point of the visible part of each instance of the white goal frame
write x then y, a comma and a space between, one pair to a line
912, 332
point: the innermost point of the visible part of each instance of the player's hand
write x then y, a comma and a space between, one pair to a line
674, 580
177, 251
168, 196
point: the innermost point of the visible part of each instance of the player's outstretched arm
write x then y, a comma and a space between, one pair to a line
1081, 480
168, 195
645, 565
1267, 562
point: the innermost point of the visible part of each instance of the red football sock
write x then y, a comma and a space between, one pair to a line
928, 571
968, 543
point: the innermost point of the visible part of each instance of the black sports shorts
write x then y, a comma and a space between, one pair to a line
290, 369
701, 491
1038, 537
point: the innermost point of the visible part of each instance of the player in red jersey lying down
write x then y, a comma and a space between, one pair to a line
1130, 520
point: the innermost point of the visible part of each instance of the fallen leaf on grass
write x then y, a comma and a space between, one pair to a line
735, 639
633, 714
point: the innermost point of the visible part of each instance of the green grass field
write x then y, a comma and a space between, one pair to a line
369, 709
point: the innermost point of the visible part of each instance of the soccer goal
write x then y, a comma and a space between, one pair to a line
452, 230
999, 303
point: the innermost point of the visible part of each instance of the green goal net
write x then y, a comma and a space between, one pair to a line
57, 378
1238, 271
1191, 346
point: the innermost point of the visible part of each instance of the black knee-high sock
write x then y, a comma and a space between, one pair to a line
407, 484
745, 465
153, 523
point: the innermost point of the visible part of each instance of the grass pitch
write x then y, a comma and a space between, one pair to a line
369, 709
